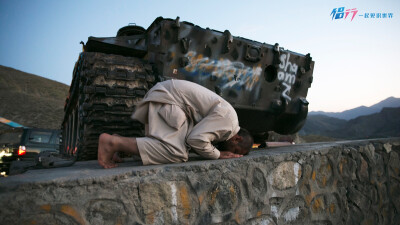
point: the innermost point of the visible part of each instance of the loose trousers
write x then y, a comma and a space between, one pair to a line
166, 132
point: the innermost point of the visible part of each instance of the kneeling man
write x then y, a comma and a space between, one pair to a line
179, 116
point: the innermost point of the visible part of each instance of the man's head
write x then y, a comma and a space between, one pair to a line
241, 143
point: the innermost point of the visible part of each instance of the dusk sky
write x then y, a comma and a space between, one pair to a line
355, 61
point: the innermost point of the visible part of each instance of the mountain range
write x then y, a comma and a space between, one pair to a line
379, 120
361, 110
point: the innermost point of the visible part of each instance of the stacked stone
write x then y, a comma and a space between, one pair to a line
103, 94
320, 184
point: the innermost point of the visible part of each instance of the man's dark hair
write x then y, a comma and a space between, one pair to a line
248, 140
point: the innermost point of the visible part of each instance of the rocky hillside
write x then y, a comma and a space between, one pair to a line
386, 123
31, 100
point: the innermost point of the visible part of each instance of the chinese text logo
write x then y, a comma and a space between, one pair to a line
341, 13
338, 13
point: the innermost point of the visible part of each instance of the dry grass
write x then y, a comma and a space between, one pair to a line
31, 100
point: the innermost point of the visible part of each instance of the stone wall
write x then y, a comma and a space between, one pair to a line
355, 182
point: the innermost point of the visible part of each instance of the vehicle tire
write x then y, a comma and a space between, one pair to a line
103, 94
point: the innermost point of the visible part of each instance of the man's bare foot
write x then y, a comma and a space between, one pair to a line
105, 151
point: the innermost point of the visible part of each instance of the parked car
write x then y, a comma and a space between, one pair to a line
32, 141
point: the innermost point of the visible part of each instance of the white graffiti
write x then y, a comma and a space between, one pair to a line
174, 203
292, 214
287, 74
232, 74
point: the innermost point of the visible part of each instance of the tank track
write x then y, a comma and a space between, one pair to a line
103, 94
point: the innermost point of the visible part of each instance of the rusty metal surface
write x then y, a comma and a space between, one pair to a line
266, 84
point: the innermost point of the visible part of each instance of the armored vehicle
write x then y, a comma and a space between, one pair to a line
266, 84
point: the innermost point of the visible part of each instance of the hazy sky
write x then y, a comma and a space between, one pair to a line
355, 61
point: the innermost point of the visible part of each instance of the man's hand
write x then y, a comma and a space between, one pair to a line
228, 155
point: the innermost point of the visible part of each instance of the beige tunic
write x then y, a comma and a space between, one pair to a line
180, 115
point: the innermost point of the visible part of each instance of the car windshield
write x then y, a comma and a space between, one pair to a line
40, 136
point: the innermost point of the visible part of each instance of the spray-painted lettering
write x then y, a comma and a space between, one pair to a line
287, 74
232, 74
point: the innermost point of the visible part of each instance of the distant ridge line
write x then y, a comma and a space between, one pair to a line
361, 110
